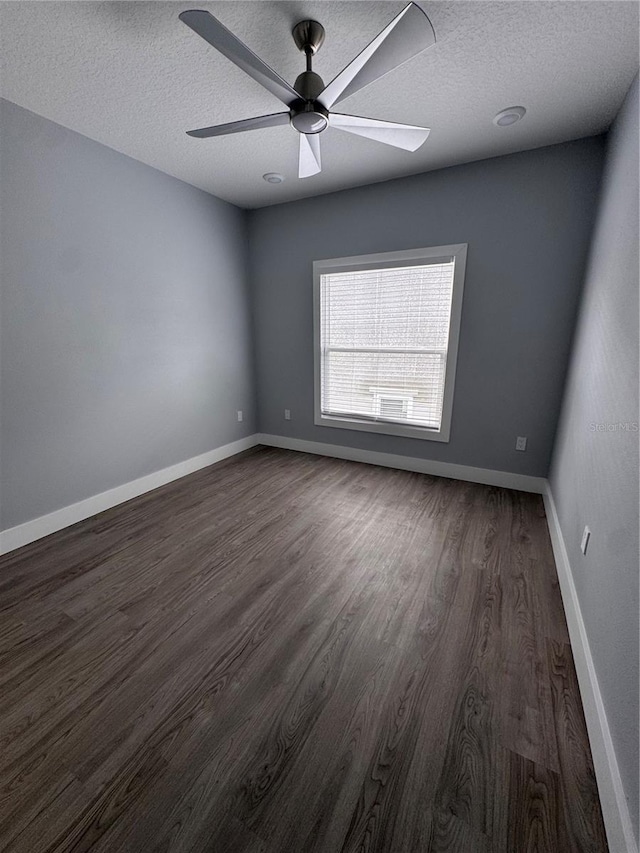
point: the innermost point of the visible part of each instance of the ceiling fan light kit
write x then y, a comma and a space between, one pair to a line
309, 102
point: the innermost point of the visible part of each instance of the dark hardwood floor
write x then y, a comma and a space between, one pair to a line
292, 653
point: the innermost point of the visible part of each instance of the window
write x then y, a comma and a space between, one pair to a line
386, 334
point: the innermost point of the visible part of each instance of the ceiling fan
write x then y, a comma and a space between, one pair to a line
309, 102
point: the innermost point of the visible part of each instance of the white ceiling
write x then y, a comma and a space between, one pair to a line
132, 76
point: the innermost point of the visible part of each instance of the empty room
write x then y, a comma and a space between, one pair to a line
319, 428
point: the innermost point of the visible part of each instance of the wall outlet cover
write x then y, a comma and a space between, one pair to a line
584, 544
240, 415
287, 414
521, 442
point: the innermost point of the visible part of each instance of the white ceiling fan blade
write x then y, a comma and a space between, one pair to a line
408, 34
309, 160
218, 36
256, 123
405, 136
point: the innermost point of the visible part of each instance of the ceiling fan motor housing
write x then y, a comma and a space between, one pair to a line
309, 85
308, 115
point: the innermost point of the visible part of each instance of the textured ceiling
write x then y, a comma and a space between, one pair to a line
132, 76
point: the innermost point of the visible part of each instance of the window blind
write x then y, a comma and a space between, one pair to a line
383, 341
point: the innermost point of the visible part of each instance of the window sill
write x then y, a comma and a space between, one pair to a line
383, 428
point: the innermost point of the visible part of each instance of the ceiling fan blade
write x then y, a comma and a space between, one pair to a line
309, 160
211, 30
239, 126
408, 34
405, 136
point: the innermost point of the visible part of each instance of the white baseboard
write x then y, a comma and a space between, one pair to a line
23, 534
615, 809
522, 482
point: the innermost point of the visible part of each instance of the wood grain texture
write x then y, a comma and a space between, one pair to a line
286, 653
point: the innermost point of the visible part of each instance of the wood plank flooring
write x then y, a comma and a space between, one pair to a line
291, 653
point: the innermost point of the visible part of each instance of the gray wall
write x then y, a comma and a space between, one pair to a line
125, 332
594, 476
527, 219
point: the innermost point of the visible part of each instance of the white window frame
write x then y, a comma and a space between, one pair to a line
387, 260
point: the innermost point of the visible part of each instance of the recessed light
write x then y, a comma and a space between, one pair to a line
509, 116
273, 178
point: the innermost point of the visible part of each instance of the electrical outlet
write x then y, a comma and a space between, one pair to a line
586, 536
239, 415
521, 442
287, 414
